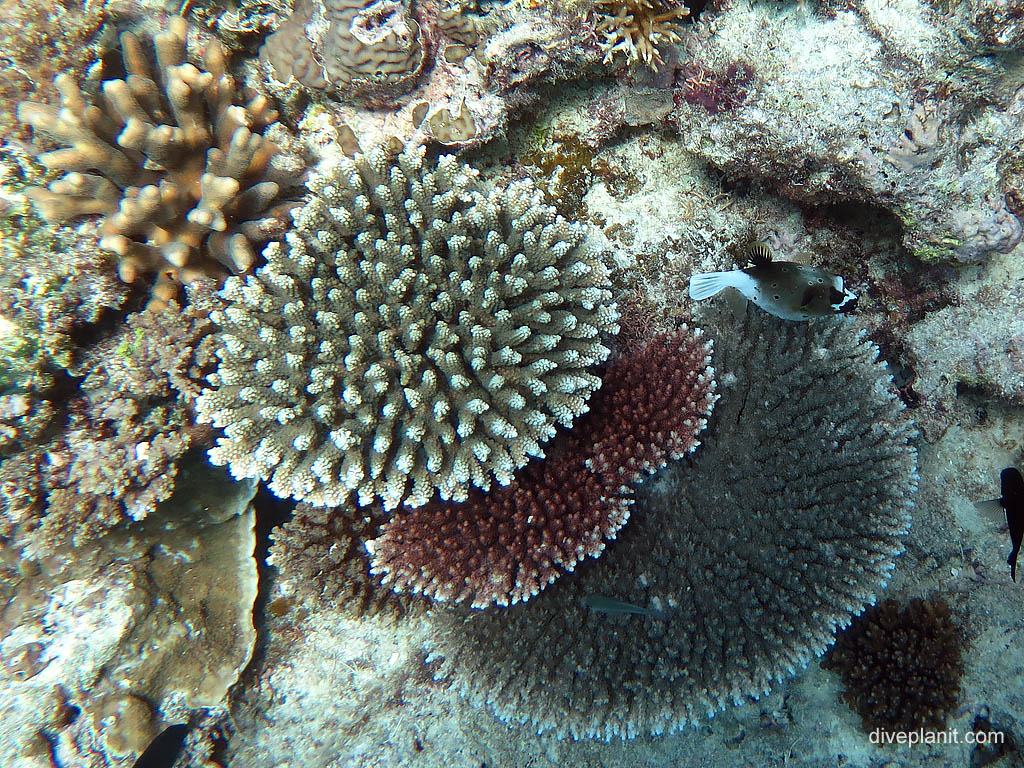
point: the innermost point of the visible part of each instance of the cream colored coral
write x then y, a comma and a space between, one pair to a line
416, 335
180, 171
637, 28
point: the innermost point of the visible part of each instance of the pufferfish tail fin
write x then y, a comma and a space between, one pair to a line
704, 285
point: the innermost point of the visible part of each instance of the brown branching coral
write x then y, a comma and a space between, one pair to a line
321, 559
901, 665
177, 167
505, 547
638, 28
116, 455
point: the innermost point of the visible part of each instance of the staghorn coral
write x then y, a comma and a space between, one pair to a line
506, 546
784, 524
183, 175
637, 29
416, 333
362, 49
901, 665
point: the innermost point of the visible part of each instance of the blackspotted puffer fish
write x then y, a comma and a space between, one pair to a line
785, 289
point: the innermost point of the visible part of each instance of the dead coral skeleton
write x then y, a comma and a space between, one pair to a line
638, 28
181, 172
918, 143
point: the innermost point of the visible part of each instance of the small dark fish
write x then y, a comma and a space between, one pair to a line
1011, 484
165, 748
610, 605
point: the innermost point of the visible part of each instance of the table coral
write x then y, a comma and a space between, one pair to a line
418, 334
744, 558
506, 546
179, 169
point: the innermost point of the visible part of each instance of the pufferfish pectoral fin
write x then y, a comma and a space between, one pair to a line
737, 303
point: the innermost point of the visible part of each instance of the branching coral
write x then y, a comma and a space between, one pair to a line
116, 455
181, 171
638, 28
745, 558
416, 334
506, 546
320, 559
901, 665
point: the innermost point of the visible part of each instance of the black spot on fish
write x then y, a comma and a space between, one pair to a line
777, 297
165, 748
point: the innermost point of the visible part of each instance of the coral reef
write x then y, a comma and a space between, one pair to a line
443, 70
853, 108
417, 334
114, 452
805, 478
988, 359
506, 546
901, 665
365, 49
185, 179
104, 644
53, 284
637, 29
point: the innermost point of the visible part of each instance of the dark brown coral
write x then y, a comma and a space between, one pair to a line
901, 665
506, 546
320, 558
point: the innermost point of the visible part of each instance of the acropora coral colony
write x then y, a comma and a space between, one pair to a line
427, 361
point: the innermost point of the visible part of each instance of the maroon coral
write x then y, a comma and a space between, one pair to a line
714, 91
506, 546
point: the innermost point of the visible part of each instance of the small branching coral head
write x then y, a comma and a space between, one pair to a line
417, 334
171, 159
638, 28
